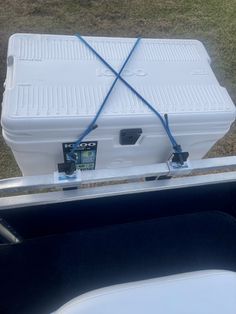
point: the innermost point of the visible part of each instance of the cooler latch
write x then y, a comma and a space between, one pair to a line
130, 136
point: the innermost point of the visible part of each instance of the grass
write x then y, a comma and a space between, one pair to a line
213, 22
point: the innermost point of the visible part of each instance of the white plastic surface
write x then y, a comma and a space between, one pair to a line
55, 85
203, 292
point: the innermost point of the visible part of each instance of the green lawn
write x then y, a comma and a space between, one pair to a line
213, 22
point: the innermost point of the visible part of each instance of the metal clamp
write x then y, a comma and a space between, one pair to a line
176, 169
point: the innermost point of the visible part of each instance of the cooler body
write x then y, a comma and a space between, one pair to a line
55, 86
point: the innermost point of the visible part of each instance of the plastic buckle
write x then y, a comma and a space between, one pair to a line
179, 163
68, 167
179, 157
67, 172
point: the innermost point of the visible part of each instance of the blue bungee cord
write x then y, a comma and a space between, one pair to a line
92, 124
177, 148
175, 145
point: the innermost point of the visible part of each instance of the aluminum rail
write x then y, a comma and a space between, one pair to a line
20, 201
37, 183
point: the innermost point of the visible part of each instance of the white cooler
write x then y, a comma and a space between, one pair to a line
55, 85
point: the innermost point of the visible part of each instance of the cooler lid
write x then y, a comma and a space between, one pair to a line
55, 81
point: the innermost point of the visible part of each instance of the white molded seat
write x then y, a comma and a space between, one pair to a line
202, 292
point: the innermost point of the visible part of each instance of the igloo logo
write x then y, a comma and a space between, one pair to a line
83, 144
107, 72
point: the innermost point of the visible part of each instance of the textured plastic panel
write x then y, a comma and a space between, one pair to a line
58, 76
44, 101
48, 47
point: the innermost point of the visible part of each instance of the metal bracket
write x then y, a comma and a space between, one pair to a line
60, 177
176, 169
